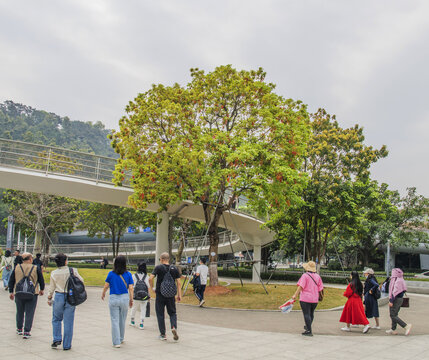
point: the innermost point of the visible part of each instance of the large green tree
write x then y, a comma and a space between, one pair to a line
337, 162
113, 221
223, 135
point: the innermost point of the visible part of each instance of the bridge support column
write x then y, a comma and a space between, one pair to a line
161, 235
256, 272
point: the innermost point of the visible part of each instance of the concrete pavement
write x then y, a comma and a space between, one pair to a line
212, 334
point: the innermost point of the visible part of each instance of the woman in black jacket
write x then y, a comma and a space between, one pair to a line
370, 301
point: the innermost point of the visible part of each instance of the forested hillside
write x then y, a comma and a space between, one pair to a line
22, 122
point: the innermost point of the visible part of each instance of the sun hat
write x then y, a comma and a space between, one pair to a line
368, 271
309, 266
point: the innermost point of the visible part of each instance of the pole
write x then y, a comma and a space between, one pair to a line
9, 238
388, 258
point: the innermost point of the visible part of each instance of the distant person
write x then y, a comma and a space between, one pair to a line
17, 258
397, 289
26, 302
7, 268
384, 288
167, 285
309, 286
141, 294
353, 312
62, 311
104, 263
120, 282
371, 287
38, 262
202, 272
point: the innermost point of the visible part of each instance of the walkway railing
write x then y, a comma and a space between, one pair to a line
52, 160
135, 248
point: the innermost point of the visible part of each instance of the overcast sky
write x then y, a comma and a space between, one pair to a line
367, 62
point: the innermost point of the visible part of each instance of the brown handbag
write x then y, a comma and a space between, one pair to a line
405, 301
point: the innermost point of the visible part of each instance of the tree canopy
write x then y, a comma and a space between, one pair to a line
223, 135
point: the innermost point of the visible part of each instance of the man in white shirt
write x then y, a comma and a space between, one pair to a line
201, 271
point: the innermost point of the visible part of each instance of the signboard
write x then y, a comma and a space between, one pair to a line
189, 260
9, 236
131, 230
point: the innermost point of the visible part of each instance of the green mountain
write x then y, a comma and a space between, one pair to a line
24, 123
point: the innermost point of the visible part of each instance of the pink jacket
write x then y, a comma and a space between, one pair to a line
397, 284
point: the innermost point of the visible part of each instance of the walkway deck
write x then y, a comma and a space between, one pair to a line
230, 335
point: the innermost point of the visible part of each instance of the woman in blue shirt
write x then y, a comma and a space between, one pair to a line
120, 282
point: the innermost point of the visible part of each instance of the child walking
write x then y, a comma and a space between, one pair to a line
353, 312
141, 294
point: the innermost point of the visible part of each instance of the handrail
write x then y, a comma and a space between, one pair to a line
71, 163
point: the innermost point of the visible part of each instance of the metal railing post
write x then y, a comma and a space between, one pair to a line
98, 170
49, 160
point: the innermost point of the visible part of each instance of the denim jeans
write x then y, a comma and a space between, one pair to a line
62, 312
118, 305
5, 277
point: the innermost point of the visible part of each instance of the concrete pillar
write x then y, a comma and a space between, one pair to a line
161, 235
388, 267
257, 265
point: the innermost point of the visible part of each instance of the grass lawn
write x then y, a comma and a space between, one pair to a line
251, 296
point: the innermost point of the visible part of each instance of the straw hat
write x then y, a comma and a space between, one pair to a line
368, 271
309, 266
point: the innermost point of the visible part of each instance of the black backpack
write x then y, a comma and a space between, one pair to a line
141, 292
168, 285
75, 290
25, 288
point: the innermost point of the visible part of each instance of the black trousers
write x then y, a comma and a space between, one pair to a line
170, 303
199, 292
25, 309
308, 312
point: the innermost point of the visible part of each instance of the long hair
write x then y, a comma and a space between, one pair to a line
356, 284
7, 253
141, 267
120, 265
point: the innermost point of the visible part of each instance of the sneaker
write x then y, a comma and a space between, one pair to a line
19, 332
132, 322
366, 329
141, 326
162, 337
307, 333
376, 327
66, 349
117, 346
346, 328
354, 325
202, 302
408, 329
55, 344
26, 335
175, 336
391, 332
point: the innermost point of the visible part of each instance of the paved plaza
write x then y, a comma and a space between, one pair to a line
231, 335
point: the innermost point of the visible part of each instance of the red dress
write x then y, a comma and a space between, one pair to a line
353, 312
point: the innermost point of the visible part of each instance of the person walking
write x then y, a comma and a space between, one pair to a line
371, 288
353, 312
309, 286
62, 311
17, 258
26, 307
202, 271
167, 276
7, 268
38, 262
397, 289
141, 294
120, 282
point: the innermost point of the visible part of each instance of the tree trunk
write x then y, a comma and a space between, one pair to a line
38, 242
214, 241
118, 240
113, 246
170, 237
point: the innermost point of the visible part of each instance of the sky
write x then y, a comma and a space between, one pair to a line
366, 62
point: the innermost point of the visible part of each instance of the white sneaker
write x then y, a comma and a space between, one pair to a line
366, 329
376, 327
346, 328
117, 346
408, 329
354, 325
391, 332
202, 302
